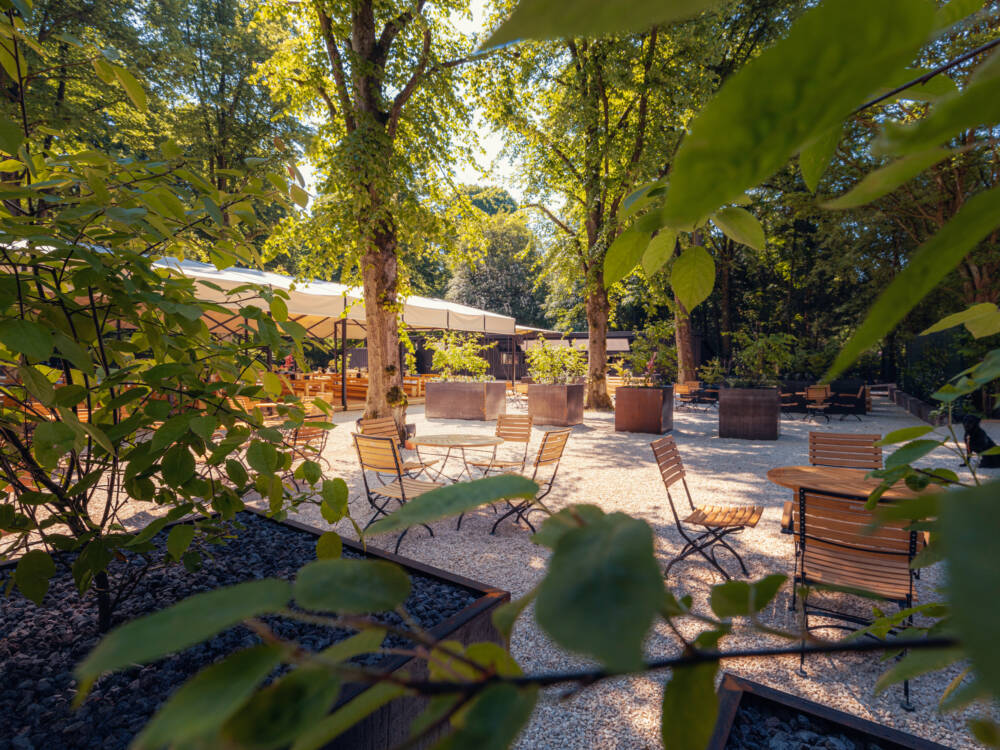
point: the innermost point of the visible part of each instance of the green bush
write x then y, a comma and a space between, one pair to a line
555, 364
459, 357
653, 356
760, 360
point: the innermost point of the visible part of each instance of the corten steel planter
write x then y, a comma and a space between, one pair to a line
750, 413
736, 693
560, 405
644, 409
389, 726
485, 401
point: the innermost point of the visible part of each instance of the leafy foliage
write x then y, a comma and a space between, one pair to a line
459, 356
555, 364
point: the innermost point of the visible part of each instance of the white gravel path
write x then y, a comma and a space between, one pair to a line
616, 471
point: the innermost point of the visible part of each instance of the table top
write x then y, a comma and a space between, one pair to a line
835, 479
452, 440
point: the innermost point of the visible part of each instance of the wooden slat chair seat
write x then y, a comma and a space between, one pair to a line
547, 460
716, 521
513, 428
375, 454
386, 427
839, 546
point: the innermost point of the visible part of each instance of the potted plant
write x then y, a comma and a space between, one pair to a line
645, 403
750, 407
555, 395
463, 390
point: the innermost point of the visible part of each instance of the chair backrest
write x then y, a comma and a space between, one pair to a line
853, 451
817, 392
836, 532
551, 449
694, 385
668, 459
681, 389
311, 436
378, 454
379, 427
514, 428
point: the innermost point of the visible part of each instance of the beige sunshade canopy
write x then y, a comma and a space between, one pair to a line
320, 305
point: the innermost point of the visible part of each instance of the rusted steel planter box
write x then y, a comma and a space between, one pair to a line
560, 405
750, 413
737, 694
485, 401
640, 409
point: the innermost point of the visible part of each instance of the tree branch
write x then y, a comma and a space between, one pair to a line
391, 31
553, 218
337, 67
404, 96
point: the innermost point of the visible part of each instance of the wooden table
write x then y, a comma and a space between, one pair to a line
835, 479
450, 442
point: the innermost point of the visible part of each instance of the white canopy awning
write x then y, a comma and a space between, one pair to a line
320, 305
615, 345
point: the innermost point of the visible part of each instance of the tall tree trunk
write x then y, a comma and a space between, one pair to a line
686, 368
725, 304
386, 397
598, 310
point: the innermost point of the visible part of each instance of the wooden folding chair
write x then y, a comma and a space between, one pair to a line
548, 457
817, 402
840, 548
386, 427
307, 443
513, 428
380, 456
718, 521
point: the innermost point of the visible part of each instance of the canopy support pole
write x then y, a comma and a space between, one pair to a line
343, 363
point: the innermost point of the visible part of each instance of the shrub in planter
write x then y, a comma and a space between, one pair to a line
556, 393
116, 394
463, 391
646, 402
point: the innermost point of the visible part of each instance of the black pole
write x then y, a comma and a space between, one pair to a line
343, 364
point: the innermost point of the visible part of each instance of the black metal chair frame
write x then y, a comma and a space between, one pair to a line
379, 502
300, 452
856, 621
521, 509
703, 543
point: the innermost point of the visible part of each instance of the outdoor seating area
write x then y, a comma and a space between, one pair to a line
746, 497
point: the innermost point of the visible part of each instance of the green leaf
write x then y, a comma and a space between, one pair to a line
739, 598
916, 663
179, 539
203, 426
659, 250
279, 310
37, 384
982, 311
170, 431
32, 574
494, 720
329, 546
772, 107
924, 269
236, 473
213, 210
815, 156
205, 701
11, 136
335, 494
970, 527
693, 276
603, 578
690, 708
263, 457
26, 337
351, 586
132, 87
272, 384
184, 624
177, 466
954, 11
883, 181
551, 19
371, 700
741, 226
624, 255
455, 499
300, 196
911, 452
555, 526
277, 714
907, 433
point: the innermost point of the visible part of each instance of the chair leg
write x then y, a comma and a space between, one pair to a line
805, 629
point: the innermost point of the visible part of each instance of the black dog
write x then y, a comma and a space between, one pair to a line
977, 441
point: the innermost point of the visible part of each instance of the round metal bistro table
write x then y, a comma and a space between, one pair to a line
453, 444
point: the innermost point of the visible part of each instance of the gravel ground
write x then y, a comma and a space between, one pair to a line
616, 471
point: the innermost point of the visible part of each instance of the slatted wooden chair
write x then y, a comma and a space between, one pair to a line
717, 521
842, 450
386, 427
839, 548
817, 402
380, 457
513, 428
308, 442
546, 460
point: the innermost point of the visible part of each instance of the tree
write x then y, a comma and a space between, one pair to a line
500, 280
381, 79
